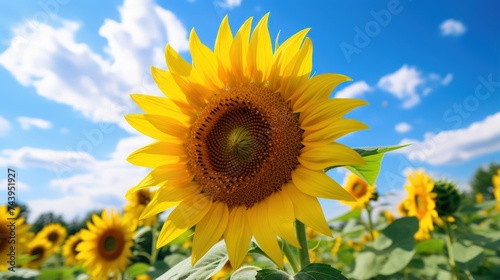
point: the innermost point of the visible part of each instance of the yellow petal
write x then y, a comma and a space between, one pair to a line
164, 106
169, 196
161, 174
176, 63
260, 52
167, 85
332, 131
237, 236
223, 43
168, 125
189, 212
158, 153
331, 154
301, 69
139, 122
239, 52
307, 209
319, 115
205, 61
209, 230
263, 232
316, 89
318, 184
282, 218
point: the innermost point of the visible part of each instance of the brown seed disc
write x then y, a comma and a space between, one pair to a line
244, 145
111, 244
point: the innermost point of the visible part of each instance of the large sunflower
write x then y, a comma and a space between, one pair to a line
7, 237
54, 233
41, 250
106, 245
69, 251
360, 190
243, 139
496, 188
137, 202
420, 203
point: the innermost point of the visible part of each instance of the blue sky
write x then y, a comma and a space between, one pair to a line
430, 71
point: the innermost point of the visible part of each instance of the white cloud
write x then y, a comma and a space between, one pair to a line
27, 123
452, 27
408, 84
402, 127
356, 89
230, 4
29, 157
456, 146
103, 183
70, 72
4, 126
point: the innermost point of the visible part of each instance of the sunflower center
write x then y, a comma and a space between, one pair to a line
143, 197
359, 190
111, 244
73, 248
3, 238
420, 204
38, 252
52, 237
244, 145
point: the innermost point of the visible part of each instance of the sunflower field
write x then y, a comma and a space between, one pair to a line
242, 143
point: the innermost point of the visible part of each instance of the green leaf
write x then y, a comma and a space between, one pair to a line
206, 267
430, 246
137, 269
271, 274
65, 273
20, 274
245, 272
470, 209
354, 214
319, 271
465, 254
373, 158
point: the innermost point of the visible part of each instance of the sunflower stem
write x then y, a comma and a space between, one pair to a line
370, 222
291, 255
154, 251
449, 241
300, 229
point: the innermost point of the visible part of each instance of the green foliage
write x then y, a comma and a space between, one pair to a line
481, 181
448, 198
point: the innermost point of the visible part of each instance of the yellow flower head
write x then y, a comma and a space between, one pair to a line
479, 198
69, 249
420, 202
496, 185
402, 208
53, 233
360, 190
106, 245
41, 249
137, 203
20, 235
243, 138
388, 216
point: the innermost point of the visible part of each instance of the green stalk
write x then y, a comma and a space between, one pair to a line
300, 229
154, 251
291, 256
451, 259
370, 223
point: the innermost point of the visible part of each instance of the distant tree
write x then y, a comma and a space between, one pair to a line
80, 223
45, 219
482, 180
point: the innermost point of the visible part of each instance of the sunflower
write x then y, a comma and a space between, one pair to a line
496, 188
22, 234
41, 250
389, 217
69, 249
359, 189
243, 139
54, 233
137, 202
420, 203
106, 244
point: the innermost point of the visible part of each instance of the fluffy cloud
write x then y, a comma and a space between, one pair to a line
456, 146
4, 126
69, 72
356, 89
408, 84
101, 184
402, 127
230, 4
27, 123
452, 27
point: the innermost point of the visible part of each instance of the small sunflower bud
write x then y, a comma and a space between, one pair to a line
447, 199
